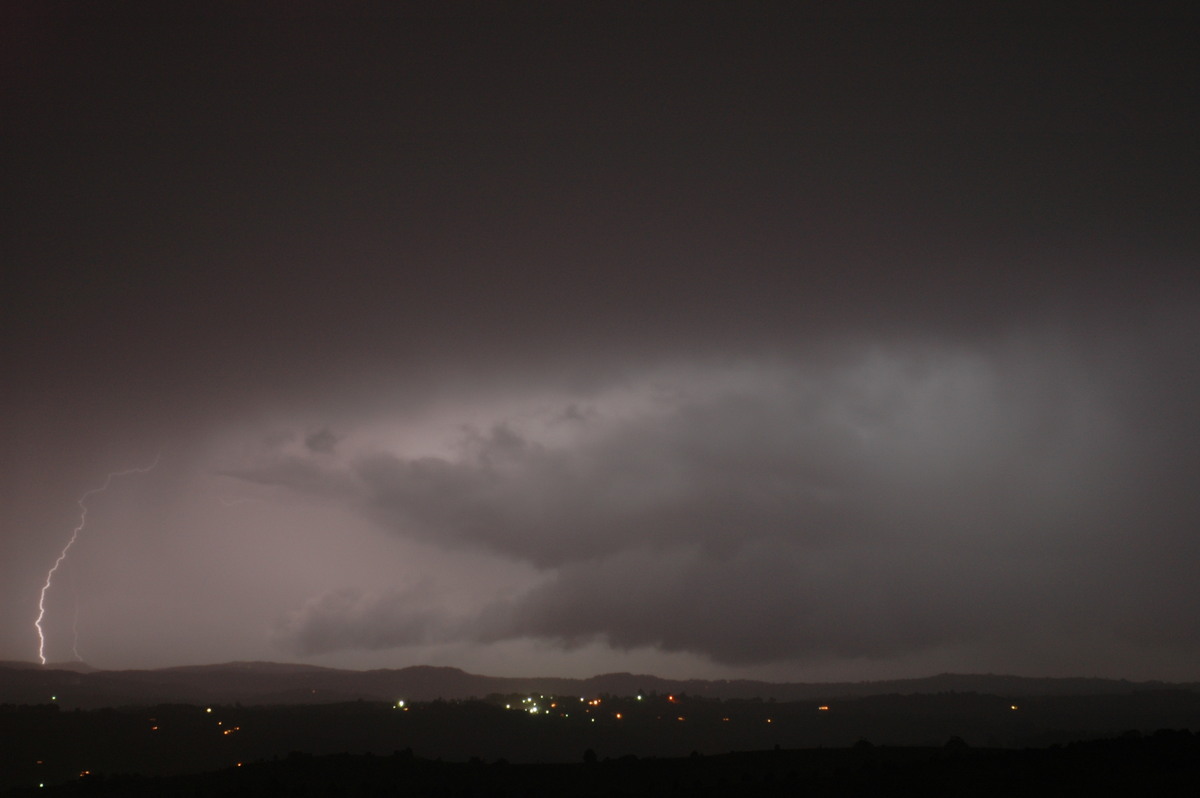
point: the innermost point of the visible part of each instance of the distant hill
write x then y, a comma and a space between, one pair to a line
76, 666
269, 683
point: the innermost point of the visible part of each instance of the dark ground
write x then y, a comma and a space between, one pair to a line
941, 744
1166, 763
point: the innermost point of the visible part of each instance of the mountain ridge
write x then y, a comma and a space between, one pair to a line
266, 683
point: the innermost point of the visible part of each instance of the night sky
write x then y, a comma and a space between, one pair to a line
715, 344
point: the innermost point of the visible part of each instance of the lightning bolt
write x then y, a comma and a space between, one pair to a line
83, 509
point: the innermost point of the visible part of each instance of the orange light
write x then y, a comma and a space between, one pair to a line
823, 708
618, 716
1014, 706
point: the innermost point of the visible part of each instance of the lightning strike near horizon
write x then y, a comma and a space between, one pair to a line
71, 542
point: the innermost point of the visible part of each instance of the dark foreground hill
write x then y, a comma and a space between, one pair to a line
275, 683
1165, 764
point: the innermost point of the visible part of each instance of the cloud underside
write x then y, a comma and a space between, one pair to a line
892, 502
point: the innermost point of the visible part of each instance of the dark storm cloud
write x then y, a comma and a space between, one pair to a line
639, 483
765, 603
764, 452
295, 472
349, 619
322, 441
901, 500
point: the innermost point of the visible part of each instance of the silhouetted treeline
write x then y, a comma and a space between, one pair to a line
1166, 763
